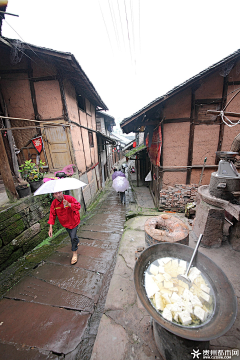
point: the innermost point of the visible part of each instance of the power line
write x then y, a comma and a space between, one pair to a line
105, 26
128, 30
121, 24
114, 23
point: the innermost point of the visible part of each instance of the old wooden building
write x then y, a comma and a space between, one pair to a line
183, 128
45, 93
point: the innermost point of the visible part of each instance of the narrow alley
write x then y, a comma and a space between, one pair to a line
90, 311
57, 309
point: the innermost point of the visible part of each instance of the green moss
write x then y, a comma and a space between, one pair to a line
133, 151
12, 231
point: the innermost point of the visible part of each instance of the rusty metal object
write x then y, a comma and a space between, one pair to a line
166, 228
226, 303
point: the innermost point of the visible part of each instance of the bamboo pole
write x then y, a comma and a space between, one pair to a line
215, 112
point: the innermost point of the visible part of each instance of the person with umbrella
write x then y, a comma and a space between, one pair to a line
66, 208
120, 184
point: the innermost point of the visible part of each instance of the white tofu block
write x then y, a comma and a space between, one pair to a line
195, 301
180, 290
167, 276
185, 318
175, 297
183, 284
199, 313
175, 263
181, 270
187, 306
160, 262
205, 297
153, 269
183, 264
199, 280
187, 295
166, 291
166, 298
150, 285
205, 288
167, 314
159, 301
166, 260
177, 307
161, 269
193, 273
167, 284
159, 278
175, 316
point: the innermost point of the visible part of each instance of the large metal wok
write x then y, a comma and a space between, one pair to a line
226, 303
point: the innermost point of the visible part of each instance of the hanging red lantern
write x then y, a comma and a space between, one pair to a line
134, 144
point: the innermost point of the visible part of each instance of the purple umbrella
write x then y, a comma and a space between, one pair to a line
120, 184
116, 174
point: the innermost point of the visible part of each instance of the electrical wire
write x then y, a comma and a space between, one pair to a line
128, 31
121, 24
114, 23
106, 27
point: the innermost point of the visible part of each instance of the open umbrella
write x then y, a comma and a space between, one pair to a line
120, 184
53, 186
117, 173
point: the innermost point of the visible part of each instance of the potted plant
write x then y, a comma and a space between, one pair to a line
33, 173
23, 189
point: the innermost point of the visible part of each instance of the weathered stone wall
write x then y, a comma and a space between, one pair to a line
175, 198
23, 226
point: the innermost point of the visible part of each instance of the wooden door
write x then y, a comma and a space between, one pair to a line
57, 146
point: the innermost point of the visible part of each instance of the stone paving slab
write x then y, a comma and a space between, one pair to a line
13, 352
103, 228
95, 235
84, 262
41, 326
103, 219
90, 251
34, 290
73, 279
101, 244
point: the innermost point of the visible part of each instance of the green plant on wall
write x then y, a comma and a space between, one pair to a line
32, 172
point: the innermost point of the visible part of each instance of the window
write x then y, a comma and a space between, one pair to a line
90, 138
81, 102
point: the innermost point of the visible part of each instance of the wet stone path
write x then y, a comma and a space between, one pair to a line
55, 312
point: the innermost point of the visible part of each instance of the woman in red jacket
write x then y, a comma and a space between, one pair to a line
66, 208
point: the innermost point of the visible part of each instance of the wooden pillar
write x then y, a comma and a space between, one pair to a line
191, 137
137, 171
221, 128
6, 172
161, 161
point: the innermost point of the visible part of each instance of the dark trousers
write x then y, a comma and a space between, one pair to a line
122, 197
74, 238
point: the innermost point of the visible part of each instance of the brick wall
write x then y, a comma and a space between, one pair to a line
175, 198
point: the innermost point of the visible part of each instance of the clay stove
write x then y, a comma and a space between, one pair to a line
218, 203
176, 342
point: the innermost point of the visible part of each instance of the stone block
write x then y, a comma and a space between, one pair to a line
26, 235
16, 228
234, 236
7, 222
6, 252
209, 222
11, 259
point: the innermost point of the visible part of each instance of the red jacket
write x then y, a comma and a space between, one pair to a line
68, 216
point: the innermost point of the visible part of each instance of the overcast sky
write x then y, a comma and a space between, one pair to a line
133, 51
